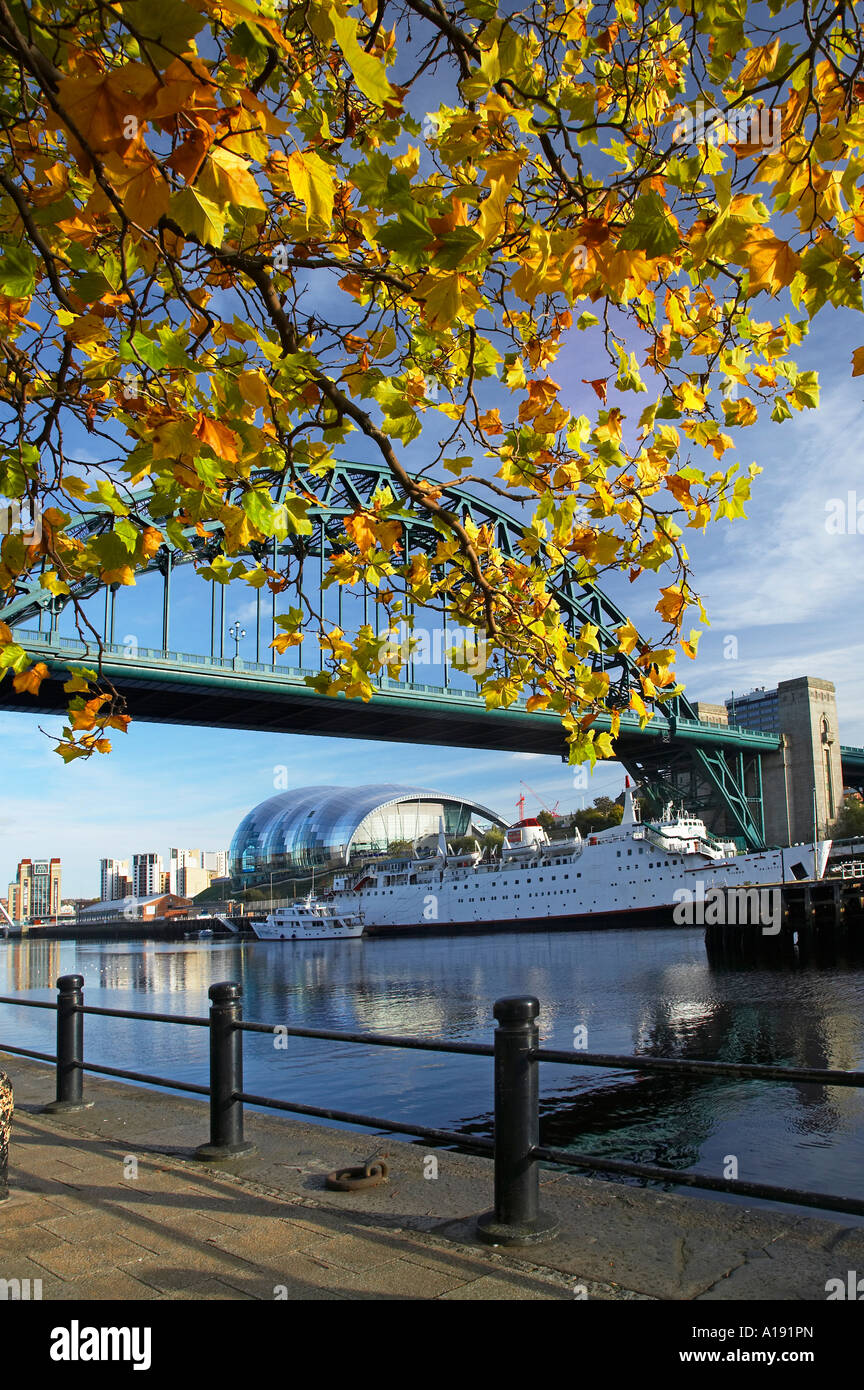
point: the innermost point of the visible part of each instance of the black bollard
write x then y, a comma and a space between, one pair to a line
70, 1046
7, 1107
226, 1077
517, 1218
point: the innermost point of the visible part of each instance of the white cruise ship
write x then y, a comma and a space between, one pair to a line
629, 869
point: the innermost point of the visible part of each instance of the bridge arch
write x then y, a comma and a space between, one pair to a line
720, 780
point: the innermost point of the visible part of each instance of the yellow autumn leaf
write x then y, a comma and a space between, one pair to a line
227, 178
447, 298
627, 637
312, 182
760, 61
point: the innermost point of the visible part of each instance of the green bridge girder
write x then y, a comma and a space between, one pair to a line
713, 768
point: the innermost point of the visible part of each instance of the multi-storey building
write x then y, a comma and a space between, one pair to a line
146, 875
113, 879
35, 894
758, 709
191, 881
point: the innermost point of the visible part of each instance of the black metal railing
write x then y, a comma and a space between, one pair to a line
516, 1217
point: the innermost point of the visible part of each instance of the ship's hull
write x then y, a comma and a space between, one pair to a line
647, 917
604, 886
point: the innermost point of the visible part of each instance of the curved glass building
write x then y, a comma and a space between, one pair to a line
326, 827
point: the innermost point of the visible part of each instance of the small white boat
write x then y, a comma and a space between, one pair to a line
309, 920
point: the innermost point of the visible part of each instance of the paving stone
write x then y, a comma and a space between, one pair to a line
78, 1260
356, 1252
497, 1288
396, 1279
27, 1240
27, 1213
114, 1286
212, 1289
280, 1240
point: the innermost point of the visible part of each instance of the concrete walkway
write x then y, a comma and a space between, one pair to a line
109, 1203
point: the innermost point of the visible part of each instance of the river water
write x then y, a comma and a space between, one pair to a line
634, 991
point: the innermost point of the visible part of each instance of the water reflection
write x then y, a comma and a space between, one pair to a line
635, 991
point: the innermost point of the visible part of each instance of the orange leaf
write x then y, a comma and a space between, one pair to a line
362, 532
32, 679
217, 436
123, 575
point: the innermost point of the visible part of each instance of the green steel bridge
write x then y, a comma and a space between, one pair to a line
711, 767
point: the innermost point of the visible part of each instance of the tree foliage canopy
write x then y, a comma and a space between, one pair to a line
240, 239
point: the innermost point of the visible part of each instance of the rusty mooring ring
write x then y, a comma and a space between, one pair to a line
355, 1179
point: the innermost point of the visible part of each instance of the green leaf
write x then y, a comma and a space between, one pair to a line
459, 247
649, 229
169, 24
368, 72
408, 237
18, 272
258, 506
199, 216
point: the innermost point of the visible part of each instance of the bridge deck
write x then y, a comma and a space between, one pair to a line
184, 688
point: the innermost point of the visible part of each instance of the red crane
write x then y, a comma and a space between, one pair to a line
520, 804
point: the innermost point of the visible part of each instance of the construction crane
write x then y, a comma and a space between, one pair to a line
520, 804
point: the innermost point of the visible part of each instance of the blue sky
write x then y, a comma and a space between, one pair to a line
784, 586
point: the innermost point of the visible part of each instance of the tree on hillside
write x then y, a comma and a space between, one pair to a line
401, 847
240, 239
850, 823
493, 838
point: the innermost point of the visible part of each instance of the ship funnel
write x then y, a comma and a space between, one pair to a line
629, 817
441, 851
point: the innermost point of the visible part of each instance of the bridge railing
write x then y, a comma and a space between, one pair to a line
298, 674
516, 1218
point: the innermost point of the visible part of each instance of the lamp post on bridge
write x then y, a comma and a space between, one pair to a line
237, 633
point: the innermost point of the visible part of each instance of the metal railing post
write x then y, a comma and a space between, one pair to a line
7, 1106
226, 1076
70, 1046
517, 1218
